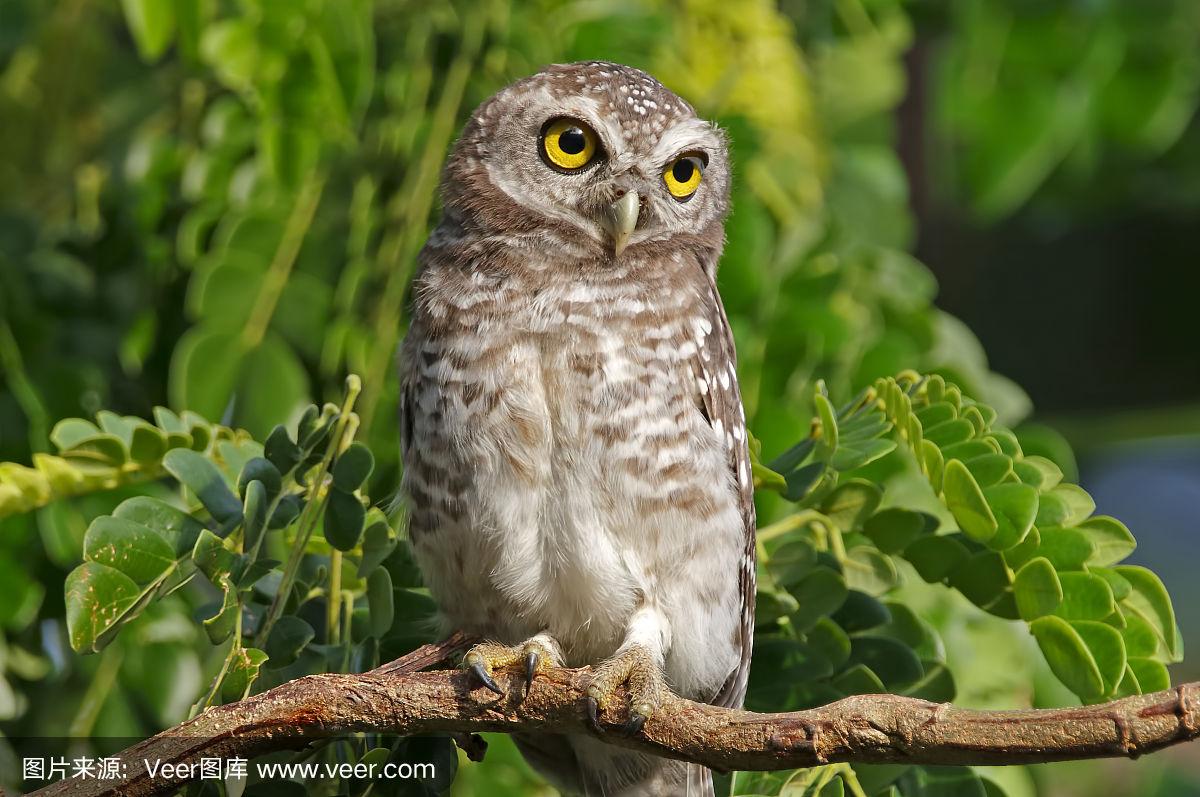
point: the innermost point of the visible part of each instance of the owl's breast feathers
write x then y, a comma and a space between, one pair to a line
574, 443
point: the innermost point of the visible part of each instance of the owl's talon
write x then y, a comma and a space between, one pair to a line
636, 669
593, 712
478, 665
532, 656
532, 659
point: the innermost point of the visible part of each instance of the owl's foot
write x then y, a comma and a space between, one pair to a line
535, 655
635, 668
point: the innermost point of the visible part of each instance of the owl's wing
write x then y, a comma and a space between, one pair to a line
715, 367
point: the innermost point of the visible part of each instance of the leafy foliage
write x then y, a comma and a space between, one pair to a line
1013, 538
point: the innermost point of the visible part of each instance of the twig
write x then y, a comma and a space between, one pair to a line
864, 728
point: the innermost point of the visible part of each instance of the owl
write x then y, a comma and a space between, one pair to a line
574, 445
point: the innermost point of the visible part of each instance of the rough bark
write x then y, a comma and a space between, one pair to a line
396, 698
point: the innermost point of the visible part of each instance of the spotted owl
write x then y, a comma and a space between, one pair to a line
575, 450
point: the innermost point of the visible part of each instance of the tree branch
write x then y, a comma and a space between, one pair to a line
397, 699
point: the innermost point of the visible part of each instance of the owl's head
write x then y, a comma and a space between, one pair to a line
592, 156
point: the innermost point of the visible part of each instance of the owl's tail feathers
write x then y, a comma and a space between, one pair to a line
699, 782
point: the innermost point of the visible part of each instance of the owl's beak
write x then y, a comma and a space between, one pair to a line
620, 219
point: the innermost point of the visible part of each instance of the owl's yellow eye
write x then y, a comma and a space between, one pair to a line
683, 175
567, 144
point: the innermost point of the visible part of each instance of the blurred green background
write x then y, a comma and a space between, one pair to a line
216, 205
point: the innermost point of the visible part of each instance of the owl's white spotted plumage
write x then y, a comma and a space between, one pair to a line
575, 451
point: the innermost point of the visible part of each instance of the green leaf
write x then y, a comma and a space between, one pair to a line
204, 370
791, 458
935, 413
379, 600
353, 467
344, 518
932, 464
262, 470
1110, 538
831, 640
378, 543
103, 448
152, 23
950, 433
966, 502
1150, 601
772, 604
1107, 649
287, 638
272, 385
255, 514
128, 547
827, 442
818, 594
147, 443
1066, 548
982, 578
1141, 639
990, 469
834, 788
860, 680
230, 47
861, 612
221, 625
212, 558
1069, 657
894, 529
200, 430
952, 782
1065, 505
1038, 472
288, 510
969, 450
175, 526
1019, 555
851, 455
1118, 584
244, 667
910, 629
936, 557
800, 482
178, 433
1151, 675
97, 598
1014, 507
937, 686
850, 503
767, 479
790, 562
866, 569
71, 431
1037, 589
201, 476
281, 450
1085, 597
893, 661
